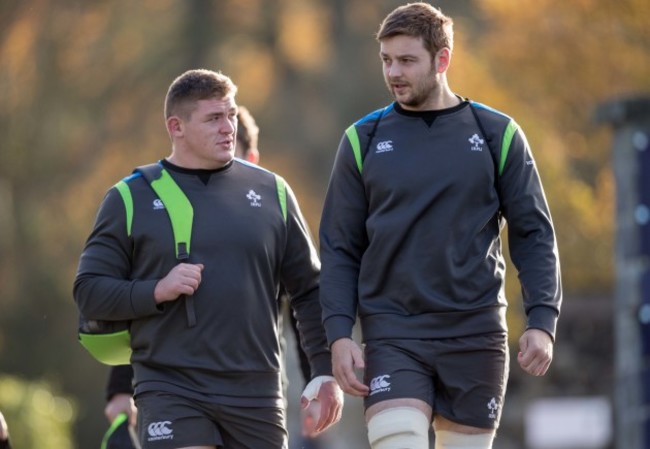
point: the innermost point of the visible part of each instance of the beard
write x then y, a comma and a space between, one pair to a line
419, 92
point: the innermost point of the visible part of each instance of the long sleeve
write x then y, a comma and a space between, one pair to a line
103, 288
343, 241
531, 237
120, 381
300, 277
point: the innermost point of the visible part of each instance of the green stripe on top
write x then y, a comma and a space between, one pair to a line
511, 129
125, 192
179, 209
353, 137
281, 187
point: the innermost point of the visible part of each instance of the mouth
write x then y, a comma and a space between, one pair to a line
398, 86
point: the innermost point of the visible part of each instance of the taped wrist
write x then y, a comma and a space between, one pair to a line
313, 387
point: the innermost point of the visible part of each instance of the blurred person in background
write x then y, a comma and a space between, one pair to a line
207, 371
410, 243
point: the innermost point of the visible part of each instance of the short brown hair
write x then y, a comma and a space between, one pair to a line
195, 85
247, 130
419, 20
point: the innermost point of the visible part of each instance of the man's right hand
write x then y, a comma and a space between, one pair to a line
121, 403
347, 356
183, 279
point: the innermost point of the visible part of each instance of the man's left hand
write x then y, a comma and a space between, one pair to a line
535, 352
322, 405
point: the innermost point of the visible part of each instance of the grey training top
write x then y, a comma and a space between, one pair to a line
409, 236
232, 355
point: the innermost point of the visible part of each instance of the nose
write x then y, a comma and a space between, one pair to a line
393, 70
228, 127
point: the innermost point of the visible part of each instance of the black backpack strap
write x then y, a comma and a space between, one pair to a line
493, 153
371, 134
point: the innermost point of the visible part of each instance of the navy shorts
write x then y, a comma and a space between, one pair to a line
168, 421
462, 379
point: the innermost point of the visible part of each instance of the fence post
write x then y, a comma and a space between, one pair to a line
630, 120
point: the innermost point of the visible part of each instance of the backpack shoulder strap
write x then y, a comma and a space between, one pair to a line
500, 155
178, 207
181, 215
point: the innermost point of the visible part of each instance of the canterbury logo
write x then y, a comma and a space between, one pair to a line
384, 146
379, 384
160, 431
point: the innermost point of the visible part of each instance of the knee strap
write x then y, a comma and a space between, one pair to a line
446, 439
399, 428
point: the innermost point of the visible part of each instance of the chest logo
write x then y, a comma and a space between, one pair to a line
254, 198
384, 146
158, 204
476, 142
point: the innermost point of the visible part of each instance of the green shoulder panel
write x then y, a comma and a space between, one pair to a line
125, 193
509, 133
353, 137
281, 188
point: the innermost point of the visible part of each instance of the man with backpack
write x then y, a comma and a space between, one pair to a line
204, 331
119, 387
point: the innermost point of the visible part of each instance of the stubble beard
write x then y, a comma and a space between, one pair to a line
419, 94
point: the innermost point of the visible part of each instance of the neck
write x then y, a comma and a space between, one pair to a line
440, 97
179, 159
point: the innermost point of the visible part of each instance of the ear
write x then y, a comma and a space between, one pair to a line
174, 127
253, 156
442, 60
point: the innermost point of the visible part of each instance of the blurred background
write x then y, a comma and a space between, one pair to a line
82, 85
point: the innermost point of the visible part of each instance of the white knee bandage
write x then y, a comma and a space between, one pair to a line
446, 439
399, 428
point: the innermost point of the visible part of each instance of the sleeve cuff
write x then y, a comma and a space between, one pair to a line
337, 327
142, 299
321, 365
544, 318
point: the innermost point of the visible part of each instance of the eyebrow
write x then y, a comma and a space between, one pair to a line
402, 56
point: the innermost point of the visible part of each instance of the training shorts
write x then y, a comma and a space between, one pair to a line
168, 421
462, 379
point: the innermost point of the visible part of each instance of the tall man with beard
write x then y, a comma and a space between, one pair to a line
410, 243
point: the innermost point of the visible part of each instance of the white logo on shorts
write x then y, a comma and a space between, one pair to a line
380, 384
160, 431
493, 407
